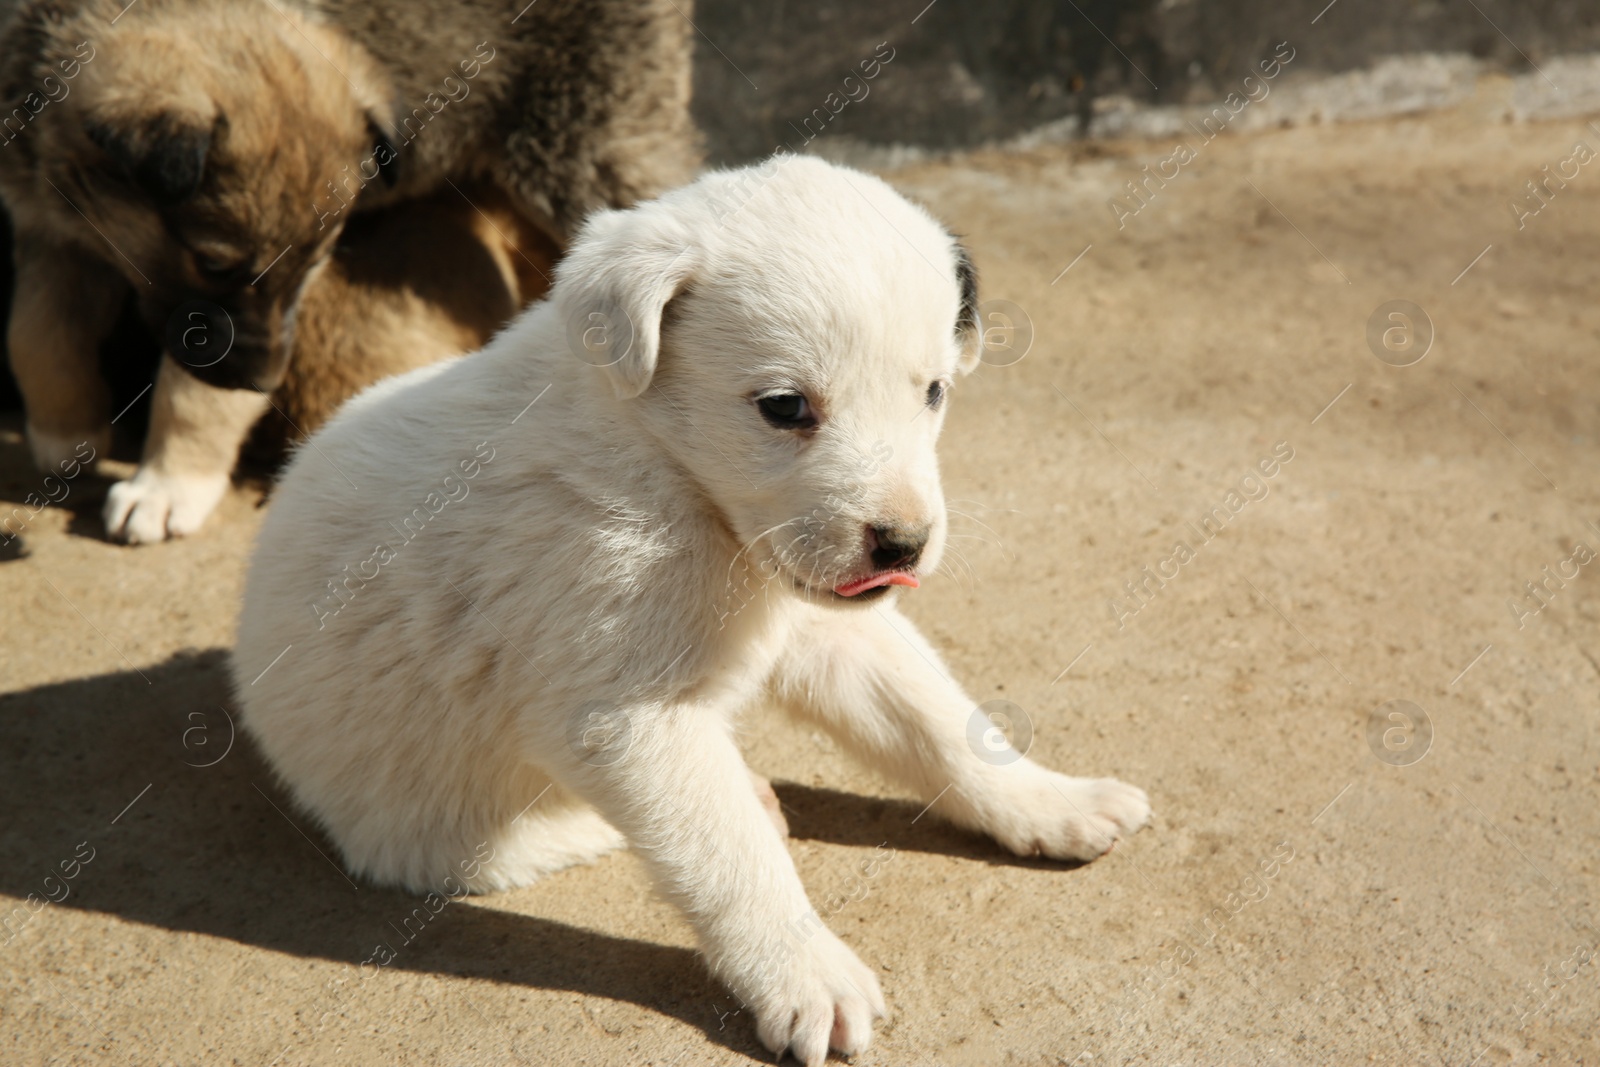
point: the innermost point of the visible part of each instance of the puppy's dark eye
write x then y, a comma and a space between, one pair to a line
936, 394
786, 411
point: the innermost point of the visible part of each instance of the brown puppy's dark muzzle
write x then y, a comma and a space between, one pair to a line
228, 348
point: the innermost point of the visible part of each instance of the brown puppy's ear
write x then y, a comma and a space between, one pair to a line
384, 153
968, 331
163, 156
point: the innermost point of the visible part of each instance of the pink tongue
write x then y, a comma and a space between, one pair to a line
861, 585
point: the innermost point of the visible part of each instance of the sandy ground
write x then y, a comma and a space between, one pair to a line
1298, 899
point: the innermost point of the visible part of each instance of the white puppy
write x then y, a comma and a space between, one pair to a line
505, 610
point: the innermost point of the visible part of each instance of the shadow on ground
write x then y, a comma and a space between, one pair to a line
204, 849
190, 834
837, 818
25, 491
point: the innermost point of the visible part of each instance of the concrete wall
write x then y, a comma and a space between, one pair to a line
964, 72
969, 71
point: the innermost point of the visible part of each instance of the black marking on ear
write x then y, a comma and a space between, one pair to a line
163, 157
384, 153
967, 279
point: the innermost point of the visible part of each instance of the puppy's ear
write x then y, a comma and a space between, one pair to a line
969, 333
162, 155
384, 152
623, 269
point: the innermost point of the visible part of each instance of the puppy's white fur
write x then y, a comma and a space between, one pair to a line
643, 551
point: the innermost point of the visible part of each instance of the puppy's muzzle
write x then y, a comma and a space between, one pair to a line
893, 551
226, 348
897, 546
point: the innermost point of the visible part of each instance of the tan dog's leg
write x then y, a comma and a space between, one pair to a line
195, 433
66, 302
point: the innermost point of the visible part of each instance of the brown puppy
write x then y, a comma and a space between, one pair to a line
153, 151
568, 105
207, 154
406, 286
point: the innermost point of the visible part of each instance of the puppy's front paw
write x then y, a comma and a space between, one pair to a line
819, 997
1070, 818
152, 506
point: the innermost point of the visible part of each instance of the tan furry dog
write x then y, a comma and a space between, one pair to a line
406, 287
206, 154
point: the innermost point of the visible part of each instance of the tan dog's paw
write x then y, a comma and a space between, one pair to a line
151, 506
823, 997
1072, 818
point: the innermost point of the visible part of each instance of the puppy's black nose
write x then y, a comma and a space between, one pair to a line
897, 546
